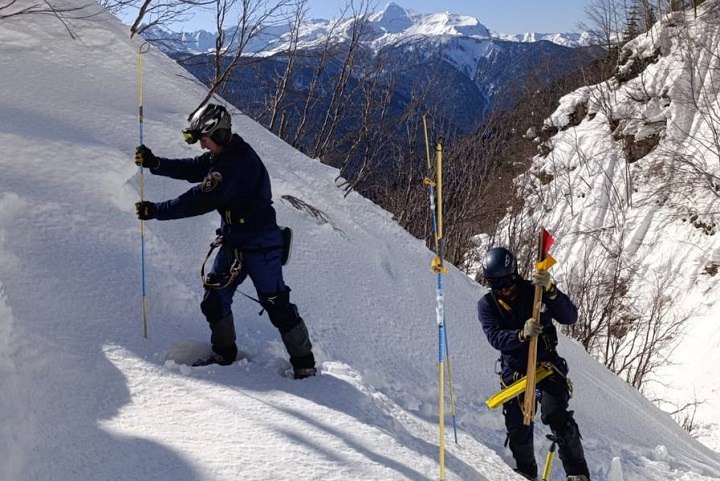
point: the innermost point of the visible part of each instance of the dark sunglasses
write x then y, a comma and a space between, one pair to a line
190, 136
502, 282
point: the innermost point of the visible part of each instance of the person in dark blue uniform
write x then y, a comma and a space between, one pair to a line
506, 317
232, 180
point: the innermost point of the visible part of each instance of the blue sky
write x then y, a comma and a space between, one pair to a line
505, 16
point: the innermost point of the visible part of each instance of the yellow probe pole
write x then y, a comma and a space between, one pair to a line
143, 48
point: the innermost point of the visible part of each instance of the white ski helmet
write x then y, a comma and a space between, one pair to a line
212, 121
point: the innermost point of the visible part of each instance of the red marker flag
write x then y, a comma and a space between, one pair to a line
548, 260
545, 261
548, 241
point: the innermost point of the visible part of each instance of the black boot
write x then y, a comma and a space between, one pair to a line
297, 343
222, 338
293, 332
570, 448
526, 476
213, 358
521, 444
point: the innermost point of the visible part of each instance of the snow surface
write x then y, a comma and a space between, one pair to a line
85, 397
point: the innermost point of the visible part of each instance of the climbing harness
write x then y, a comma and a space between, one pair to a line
225, 279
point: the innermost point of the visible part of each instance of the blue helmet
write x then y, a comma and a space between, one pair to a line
499, 263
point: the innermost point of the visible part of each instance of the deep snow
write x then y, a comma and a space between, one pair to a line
85, 397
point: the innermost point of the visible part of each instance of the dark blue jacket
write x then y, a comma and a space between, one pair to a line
503, 321
235, 183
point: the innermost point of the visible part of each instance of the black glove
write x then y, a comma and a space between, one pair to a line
146, 210
144, 157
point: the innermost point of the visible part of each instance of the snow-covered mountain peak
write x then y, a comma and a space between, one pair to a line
447, 23
392, 19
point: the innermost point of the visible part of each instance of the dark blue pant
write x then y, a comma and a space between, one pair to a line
554, 399
264, 268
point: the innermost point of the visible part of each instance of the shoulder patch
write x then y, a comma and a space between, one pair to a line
212, 180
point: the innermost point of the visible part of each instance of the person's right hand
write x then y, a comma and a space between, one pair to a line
531, 329
542, 279
145, 158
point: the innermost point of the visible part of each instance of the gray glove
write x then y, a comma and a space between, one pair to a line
542, 279
531, 329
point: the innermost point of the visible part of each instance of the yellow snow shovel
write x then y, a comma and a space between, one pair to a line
516, 388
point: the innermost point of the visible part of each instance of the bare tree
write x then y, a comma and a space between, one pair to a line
13, 8
685, 414
648, 334
253, 16
620, 20
232, 36
370, 137
312, 97
338, 98
693, 150
648, 14
152, 13
606, 20
300, 13
680, 5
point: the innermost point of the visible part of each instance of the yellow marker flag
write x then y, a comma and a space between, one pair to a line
546, 264
437, 266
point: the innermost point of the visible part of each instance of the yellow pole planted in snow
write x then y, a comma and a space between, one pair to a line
143, 48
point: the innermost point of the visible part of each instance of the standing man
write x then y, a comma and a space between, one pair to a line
232, 180
506, 317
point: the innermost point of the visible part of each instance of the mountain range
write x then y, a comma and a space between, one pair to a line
389, 26
473, 71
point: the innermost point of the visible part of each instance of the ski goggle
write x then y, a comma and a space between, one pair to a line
502, 282
190, 136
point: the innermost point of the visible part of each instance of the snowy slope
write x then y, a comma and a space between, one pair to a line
85, 397
656, 213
